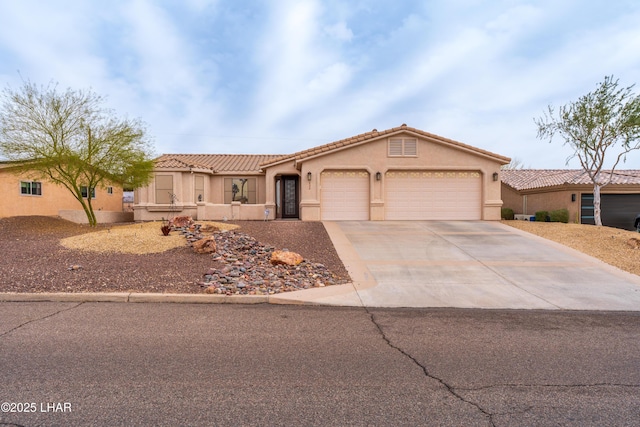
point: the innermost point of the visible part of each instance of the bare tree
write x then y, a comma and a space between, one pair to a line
605, 122
514, 164
71, 140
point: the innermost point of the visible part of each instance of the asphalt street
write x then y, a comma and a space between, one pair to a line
76, 364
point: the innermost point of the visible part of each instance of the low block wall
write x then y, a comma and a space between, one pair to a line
103, 217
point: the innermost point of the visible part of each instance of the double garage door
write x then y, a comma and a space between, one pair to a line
419, 195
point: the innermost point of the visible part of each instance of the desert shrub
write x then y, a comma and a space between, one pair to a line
507, 213
542, 216
559, 215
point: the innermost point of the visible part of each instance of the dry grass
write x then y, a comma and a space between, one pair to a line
143, 238
605, 243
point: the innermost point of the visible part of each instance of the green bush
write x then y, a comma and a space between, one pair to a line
560, 215
507, 213
542, 216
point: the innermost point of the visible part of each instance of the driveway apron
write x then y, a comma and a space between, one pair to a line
475, 264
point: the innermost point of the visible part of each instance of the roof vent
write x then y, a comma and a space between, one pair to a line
404, 125
374, 130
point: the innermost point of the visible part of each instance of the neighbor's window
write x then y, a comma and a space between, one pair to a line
241, 190
164, 189
84, 190
109, 190
400, 147
32, 188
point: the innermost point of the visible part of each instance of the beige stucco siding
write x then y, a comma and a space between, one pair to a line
373, 157
370, 154
53, 199
186, 190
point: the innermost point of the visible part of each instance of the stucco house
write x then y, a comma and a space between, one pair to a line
24, 195
527, 191
396, 174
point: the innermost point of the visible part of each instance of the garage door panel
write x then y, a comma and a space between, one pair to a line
433, 195
344, 196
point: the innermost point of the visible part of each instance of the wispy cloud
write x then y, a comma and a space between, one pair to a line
246, 76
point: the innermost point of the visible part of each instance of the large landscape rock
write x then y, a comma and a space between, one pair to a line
181, 221
206, 245
242, 266
285, 257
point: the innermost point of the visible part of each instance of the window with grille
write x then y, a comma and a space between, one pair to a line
84, 191
31, 188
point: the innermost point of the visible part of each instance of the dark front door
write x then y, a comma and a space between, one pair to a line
289, 194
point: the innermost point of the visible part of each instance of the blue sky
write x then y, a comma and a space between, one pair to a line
237, 76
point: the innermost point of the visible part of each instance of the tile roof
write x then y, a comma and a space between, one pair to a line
374, 134
527, 179
221, 163
217, 163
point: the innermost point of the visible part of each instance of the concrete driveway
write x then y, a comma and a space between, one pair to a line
468, 265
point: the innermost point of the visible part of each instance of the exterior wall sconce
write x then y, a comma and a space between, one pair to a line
573, 197
308, 176
495, 176
378, 176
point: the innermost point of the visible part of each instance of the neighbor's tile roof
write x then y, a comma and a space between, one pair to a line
528, 179
311, 152
218, 163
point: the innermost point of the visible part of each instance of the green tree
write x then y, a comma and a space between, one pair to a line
69, 138
600, 126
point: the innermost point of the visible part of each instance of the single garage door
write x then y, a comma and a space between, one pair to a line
344, 196
446, 195
616, 210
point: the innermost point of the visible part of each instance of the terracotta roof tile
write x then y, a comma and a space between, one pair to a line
527, 179
231, 163
219, 163
300, 155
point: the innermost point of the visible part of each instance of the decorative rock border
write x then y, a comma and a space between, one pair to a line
246, 267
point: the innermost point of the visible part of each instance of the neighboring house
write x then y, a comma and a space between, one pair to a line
23, 195
527, 191
397, 174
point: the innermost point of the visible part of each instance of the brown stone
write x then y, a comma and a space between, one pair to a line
206, 245
285, 257
634, 243
181, 221
210, 290
208, 228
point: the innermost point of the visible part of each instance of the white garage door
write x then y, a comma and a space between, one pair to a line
344, 195
433, 195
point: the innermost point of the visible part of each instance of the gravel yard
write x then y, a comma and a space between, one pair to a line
34, 260
605, 243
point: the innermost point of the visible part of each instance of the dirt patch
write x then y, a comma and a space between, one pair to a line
605, 243
143, 238
34, 260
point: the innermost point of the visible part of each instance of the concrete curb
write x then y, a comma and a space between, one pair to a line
134, 298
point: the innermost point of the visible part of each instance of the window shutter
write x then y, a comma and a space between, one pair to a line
164, 189
410, 147
395, 147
